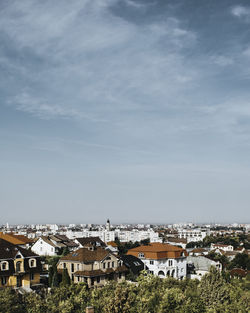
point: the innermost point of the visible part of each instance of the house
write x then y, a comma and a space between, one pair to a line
226, 248
162, 259
52, 245
18, 240
93, 265
198, 266
198, 251
85, 242
112, 246
182, 242
18, 267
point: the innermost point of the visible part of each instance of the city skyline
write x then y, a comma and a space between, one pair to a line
129, 109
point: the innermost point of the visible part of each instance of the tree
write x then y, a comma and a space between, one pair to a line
65, 278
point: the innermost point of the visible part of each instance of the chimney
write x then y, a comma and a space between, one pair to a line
90, 309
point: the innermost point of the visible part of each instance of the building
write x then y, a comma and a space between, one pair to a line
226, 248
93, 265
198, 266
18, 240
53, 245
18, 267
193, 235
162, 259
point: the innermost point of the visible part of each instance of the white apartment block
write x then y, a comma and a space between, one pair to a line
193, 235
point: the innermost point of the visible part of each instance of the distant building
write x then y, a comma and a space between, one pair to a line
193, 235
162, 259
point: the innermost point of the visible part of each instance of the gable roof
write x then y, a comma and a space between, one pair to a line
12, 239
9, 250
133, 263
87, 241
86, 255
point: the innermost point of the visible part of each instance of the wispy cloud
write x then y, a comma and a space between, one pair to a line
241, 12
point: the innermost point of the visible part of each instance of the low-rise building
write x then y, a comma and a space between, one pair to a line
18, 267
162, 259
52, 245
93, 265
198, 266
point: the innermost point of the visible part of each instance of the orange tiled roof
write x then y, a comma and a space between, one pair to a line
158, 251
12, 239
112, 244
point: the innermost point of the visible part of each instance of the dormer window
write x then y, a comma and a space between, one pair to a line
4, 266
140, 255
32, 262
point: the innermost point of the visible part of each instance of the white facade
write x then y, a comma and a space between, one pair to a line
42, 247
123, 236
163, 268
193, 235
226, 248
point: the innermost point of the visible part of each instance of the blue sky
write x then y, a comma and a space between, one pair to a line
127, 109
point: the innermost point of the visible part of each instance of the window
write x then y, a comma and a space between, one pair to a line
104, 265
151, 262
4, 266
120, 275
32, 263
72, 267
31, 276
98, 279
170, 262
108, 264
4, 280
151, 272
140, 255
113, 264
64, 265
78, 278
18, 266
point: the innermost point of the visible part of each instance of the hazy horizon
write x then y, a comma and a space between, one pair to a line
134, 110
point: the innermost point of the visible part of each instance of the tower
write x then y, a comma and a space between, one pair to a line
108, 225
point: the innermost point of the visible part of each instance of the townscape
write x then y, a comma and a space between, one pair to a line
40, 257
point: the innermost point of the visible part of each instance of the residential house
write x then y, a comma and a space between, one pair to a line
182, 242
18, 240
226, 248
93, 265
18, 267
53, 245
198, 266
162, 259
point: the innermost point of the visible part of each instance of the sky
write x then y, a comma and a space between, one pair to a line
133, 110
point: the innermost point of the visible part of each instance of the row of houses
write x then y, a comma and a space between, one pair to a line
94, 262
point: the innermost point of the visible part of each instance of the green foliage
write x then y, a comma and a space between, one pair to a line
65, 278
241, 260
215, 293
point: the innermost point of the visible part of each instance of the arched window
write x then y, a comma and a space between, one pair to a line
32, 262
168, 273
18, 266
4, 266
161, 274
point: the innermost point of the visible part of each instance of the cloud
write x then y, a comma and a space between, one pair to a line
241, 12
93, 64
